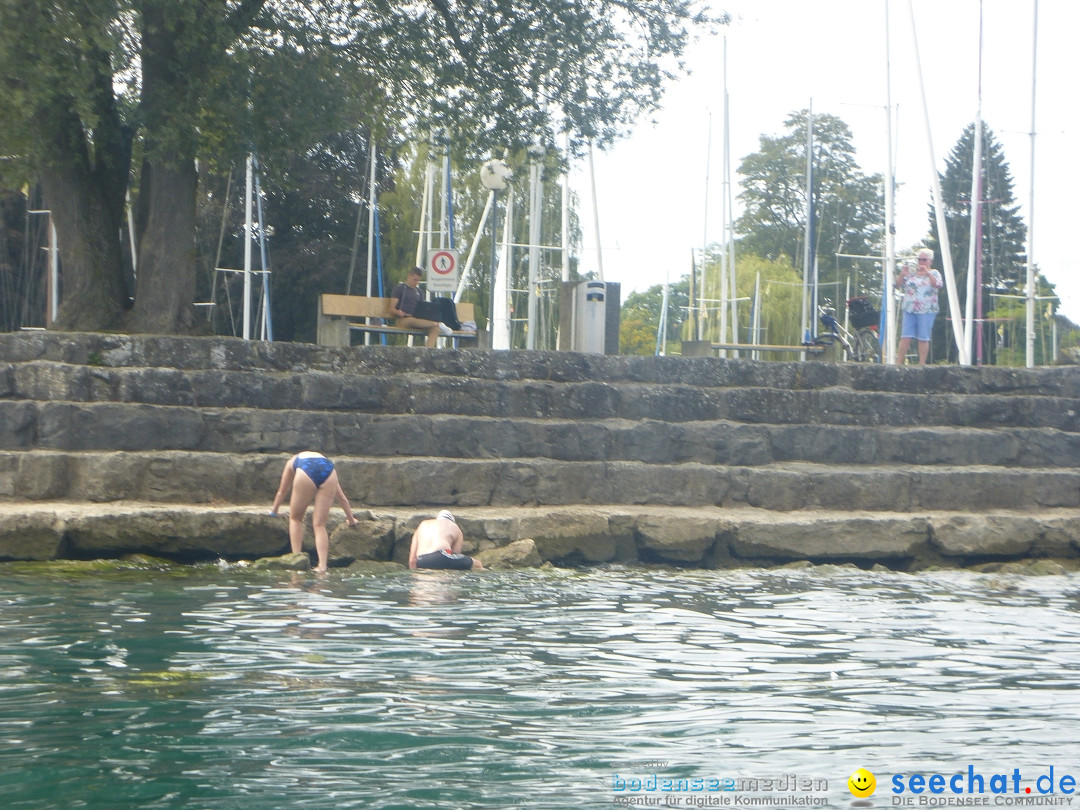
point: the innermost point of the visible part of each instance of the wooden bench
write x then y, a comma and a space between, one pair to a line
338, 313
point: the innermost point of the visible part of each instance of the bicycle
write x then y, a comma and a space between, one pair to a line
862, 346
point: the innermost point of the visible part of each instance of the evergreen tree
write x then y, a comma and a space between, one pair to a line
1003, 257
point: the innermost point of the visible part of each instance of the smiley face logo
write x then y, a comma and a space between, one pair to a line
862, 783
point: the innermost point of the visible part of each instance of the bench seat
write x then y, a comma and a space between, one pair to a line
338, 313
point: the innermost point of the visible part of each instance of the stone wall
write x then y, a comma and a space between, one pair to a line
111, 445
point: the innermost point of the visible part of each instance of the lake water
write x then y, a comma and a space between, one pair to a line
215, 687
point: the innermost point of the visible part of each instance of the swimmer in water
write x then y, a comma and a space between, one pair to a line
437, 543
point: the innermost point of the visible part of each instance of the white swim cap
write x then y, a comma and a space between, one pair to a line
445, 515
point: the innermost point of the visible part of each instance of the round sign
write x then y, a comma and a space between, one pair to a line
443, 262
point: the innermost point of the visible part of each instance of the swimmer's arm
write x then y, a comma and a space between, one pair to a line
412, 551
283, 488
340, 495
457, 542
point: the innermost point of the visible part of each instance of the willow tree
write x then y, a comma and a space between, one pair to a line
115, 100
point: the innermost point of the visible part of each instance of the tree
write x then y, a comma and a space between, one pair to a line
640, 317
1003, 257
849, 207
106, 99
780, 293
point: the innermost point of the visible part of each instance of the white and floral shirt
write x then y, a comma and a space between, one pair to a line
920, 292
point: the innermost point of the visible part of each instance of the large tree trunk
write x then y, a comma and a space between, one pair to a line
176, 54
88, 219
165, 283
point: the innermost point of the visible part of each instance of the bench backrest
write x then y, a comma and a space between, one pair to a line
354, 306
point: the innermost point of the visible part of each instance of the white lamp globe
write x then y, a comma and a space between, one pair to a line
495, 174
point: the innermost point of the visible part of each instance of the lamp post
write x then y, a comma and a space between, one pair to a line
494, 174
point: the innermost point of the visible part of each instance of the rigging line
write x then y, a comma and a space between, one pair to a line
217, 257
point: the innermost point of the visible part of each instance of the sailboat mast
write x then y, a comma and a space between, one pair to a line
705, 238
974, 282
807, 325
248, 236
1030, 286
888, 300
939, 209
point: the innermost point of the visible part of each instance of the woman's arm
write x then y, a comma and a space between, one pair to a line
286, 482
340, 495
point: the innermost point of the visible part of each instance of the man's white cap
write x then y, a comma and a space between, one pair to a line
445, 515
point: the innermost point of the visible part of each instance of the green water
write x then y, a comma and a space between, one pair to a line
213, 687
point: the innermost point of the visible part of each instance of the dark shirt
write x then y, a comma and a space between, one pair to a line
407, 297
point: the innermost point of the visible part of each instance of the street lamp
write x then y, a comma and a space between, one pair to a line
494, 174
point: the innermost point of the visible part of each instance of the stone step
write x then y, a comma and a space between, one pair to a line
427, 394
210, 478
704, 537
68, 426
102, 352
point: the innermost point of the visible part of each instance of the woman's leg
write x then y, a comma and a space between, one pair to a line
902, 350
925, 329
303, 491
908, 327
324, 499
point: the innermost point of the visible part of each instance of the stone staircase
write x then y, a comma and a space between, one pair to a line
111, 444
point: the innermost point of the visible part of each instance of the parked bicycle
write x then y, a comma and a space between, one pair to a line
862, 345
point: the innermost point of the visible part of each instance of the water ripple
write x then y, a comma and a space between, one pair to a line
223, 689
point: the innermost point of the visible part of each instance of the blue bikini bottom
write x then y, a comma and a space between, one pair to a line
317, 468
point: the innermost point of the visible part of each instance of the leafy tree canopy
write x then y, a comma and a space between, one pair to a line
640, 317
109, 98
849, 211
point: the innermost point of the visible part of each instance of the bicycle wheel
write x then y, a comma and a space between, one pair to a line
867, 348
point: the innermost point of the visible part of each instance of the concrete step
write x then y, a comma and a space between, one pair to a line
429, 394
1000, 541
227, 354
68, 426
209, 478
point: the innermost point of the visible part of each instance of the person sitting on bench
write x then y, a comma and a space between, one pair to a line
403, 303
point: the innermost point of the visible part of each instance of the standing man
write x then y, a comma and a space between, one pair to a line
437, 542
920, 286
403, 301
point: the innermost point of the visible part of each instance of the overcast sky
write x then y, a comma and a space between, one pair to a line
783, 54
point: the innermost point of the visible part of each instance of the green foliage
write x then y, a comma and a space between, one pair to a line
87, 85
1003, 236
848, 205
779, 287
778, 284
400, 213
1005, 334
640, 317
